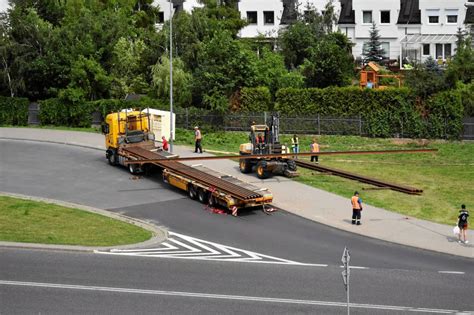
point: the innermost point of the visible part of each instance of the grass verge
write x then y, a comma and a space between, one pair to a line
30, 221
446, 177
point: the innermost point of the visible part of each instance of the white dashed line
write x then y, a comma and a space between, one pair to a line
453, 272
255, 299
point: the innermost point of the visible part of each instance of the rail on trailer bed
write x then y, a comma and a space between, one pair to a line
206, 185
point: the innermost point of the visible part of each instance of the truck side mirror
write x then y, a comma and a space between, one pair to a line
105, 129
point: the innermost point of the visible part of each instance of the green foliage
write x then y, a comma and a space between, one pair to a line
373, 50
255, 99
328, 65
467, 97
182, 95
426, 79
226, 66
13, 111
385, 112
128, 78
461, 68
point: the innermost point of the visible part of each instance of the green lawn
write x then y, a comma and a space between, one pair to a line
39, 222
446, 177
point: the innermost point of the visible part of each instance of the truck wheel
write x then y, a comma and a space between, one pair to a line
112, 157
202, 196
245, 166
262, 171
192, 192
291, 165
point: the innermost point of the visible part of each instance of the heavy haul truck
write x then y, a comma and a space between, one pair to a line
128, 138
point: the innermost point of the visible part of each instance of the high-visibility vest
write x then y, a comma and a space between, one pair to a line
295, 142
314, 147
355, 202
197, 134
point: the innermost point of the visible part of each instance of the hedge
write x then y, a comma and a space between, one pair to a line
13, 111
386, 113
255, 99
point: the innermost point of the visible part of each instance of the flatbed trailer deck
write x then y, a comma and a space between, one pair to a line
206, 185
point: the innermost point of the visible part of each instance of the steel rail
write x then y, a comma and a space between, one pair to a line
284, 155
363, 179
192, 173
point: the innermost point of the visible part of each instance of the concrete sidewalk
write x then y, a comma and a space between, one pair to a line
302, 200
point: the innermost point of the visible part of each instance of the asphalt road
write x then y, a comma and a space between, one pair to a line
33, 281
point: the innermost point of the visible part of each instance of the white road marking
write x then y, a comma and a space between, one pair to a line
180, 246
453, 272
355, 267
258, 299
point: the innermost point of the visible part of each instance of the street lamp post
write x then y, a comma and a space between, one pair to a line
171, 77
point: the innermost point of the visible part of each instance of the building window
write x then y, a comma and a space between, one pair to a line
426, 49
366, 17
252, 17
433, 16
452, 19
439, 51
269, 17
447, 51
161, 17
384, 17
433, 19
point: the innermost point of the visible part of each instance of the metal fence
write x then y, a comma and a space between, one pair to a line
468, 131
288, 125
300, 124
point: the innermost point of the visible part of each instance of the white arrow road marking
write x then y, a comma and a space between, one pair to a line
256, 299
181, 246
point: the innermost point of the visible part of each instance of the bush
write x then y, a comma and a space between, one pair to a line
255, 99
13, 111
386, 113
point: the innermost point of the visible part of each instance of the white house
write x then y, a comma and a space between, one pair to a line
409, 29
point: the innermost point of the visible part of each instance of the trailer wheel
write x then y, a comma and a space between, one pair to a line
192, 192
202, 196
245, 166
262, 171
212, 201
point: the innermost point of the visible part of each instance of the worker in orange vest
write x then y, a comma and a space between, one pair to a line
314, 147
356, 203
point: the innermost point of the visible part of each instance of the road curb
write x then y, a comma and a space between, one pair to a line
159, 234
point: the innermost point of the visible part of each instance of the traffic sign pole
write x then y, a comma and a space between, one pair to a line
346, 273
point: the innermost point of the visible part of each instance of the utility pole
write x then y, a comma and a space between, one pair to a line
346, 257
171, 77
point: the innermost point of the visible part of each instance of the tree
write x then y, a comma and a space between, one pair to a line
426, 79
126, 68
300, 37
461, 68
181, 81
328, 64
226, 65
373, 50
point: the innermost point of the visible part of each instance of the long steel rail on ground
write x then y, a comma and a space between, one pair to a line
192, 173
284, 155
363, 179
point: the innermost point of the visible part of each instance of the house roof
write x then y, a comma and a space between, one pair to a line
347, 15
409, 12
429, 38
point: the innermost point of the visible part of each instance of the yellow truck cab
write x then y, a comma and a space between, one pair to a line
123, 129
